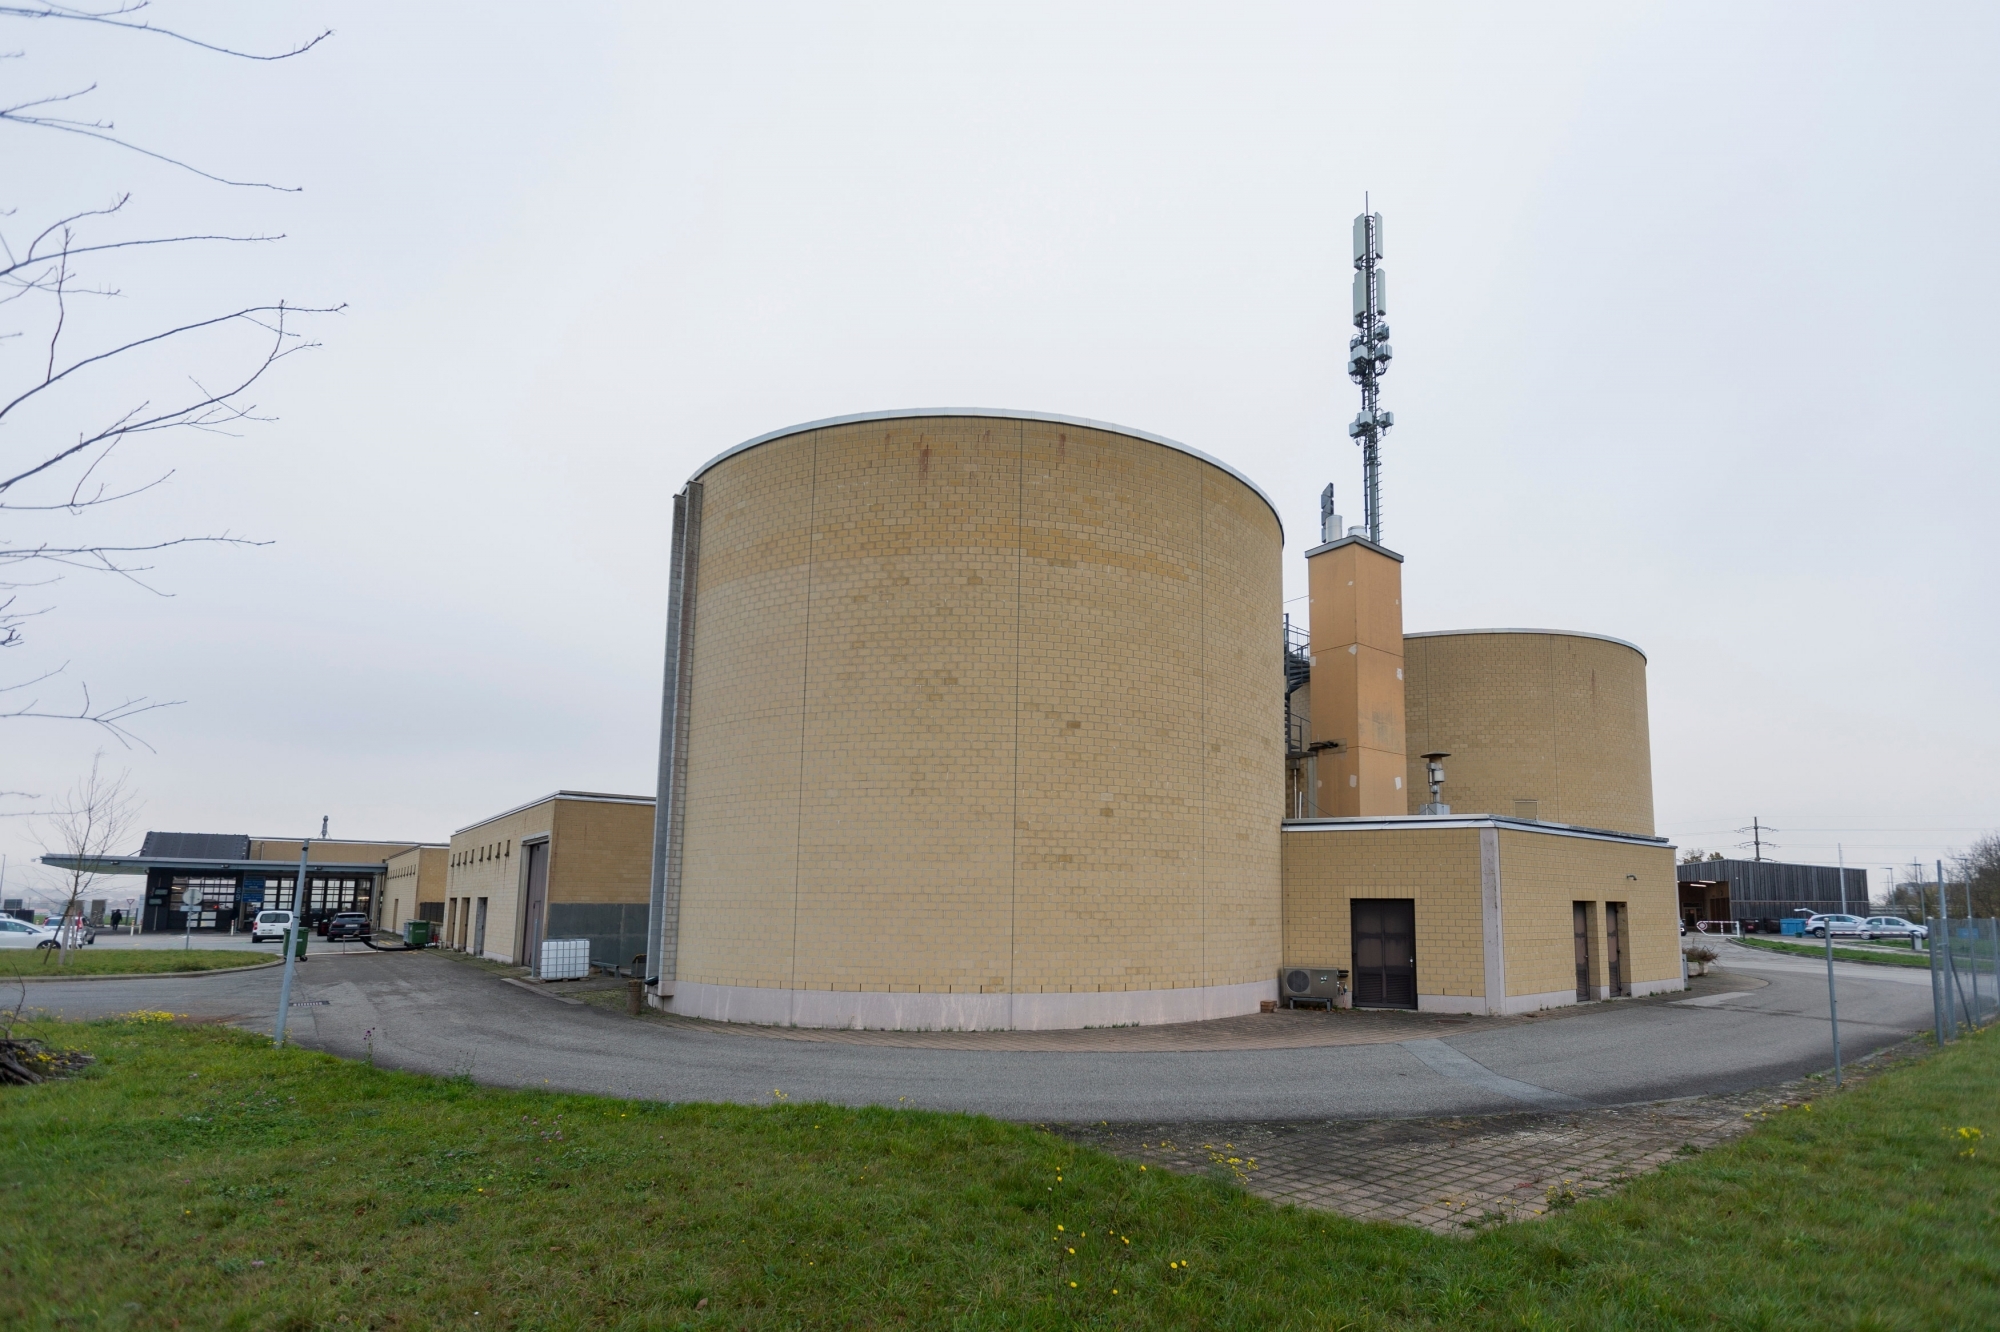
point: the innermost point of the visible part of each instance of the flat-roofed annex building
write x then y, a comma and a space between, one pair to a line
569, 865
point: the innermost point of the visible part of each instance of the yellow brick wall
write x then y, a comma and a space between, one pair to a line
1438, 868
1556, 720
1542, 875
1357, 671
417, 875
486, 861
602, 852
326, 852
982, 705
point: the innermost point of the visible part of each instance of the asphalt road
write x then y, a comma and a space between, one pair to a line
430, 1014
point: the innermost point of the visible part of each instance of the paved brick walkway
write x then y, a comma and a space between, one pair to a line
1450, 1175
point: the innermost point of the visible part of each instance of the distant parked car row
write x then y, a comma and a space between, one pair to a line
1874, 927
17, 933
24, 934
275, 924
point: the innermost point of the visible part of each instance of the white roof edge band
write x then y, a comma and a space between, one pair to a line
1412, 822
1553, 633
594, 797
993, 414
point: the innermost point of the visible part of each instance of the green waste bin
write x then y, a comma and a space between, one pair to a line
304, 934
416, 934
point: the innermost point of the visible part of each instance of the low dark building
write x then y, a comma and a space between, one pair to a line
1761, 890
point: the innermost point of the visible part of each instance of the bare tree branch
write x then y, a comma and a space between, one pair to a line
247, 313
101, 130
73, 473
117, 18
61, 554
111, 719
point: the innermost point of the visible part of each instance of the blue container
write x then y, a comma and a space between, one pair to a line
1795, 925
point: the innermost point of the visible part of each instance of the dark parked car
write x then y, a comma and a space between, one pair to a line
348, 925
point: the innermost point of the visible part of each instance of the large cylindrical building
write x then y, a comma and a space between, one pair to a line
1539, 724
973, 722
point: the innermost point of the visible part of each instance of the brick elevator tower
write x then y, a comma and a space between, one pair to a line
1357, 678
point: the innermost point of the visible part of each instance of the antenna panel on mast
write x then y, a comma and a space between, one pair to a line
1362, 238
1368, 357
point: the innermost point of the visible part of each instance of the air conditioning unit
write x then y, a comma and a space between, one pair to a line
1314, 985
564, 959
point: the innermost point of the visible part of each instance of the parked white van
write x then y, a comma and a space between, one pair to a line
270, 925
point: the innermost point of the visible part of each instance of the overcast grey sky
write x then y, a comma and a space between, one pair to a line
1693, 309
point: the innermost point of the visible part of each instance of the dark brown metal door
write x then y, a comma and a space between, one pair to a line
1582, 921
1385, 952
1614, 965
538, 891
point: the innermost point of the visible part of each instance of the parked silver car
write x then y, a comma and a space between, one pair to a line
1835, 924
25, 934
1895, 927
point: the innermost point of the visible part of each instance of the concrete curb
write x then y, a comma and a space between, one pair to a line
532, 988
150, 975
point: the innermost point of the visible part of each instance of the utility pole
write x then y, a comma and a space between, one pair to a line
292, 945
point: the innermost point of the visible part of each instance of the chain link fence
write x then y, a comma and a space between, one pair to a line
1965, 974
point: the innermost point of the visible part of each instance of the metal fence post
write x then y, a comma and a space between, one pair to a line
291, 945
1935, 935
1833, 1008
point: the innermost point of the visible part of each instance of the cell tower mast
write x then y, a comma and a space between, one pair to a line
1368, 354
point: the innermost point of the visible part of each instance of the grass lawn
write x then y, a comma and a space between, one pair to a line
1818, 950
193, 1177
35, 964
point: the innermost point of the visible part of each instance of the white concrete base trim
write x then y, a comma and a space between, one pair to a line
1452, 1003
1534, 1003
1479, 1004
1672, 983
875, 1011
